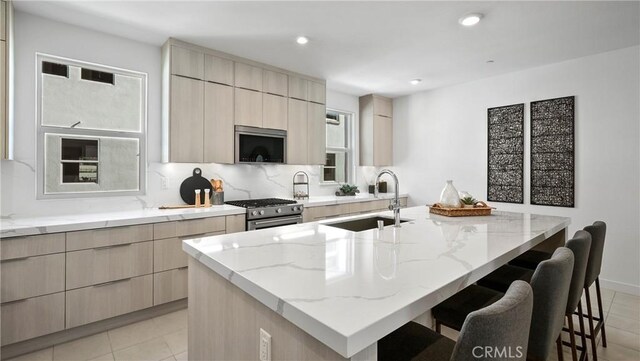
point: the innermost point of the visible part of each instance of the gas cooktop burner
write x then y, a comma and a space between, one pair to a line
259, 203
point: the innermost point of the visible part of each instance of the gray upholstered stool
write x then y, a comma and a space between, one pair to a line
550, 282
598, 231
504, 325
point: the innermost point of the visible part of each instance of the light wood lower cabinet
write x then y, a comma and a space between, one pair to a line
235, 223
94, 266
32, 317
108, 237
33, 276
168, 254
312, 214
94, 303
18, 247
169, 285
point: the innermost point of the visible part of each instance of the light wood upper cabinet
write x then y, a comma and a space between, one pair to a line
382, 140
248, 76
297, 132
274, 112
275, 83
187, 62
317, 92
298, 88
376, 131
187, 120
218, 123
218, 70
248, 108
316, 137
382, 106
3, 20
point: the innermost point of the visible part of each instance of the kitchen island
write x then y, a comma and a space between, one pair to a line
326, 293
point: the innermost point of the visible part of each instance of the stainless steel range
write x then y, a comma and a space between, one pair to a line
270, 212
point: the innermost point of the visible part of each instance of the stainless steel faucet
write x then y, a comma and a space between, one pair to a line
395, 203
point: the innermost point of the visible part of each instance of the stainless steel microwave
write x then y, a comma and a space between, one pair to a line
259, 145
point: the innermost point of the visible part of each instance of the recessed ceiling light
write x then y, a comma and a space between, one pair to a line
302, 40
470, 19
415, 81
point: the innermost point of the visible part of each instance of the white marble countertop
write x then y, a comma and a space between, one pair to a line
329, 200
40, 225
350, 289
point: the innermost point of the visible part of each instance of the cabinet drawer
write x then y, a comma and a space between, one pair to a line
170, 286
193, 227
18, 247
235, 223
168, 254
32, 317
108, 237
33, 276
335, 210
94, 266
95, 303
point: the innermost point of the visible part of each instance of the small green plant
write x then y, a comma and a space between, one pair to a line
349, 189
469, 201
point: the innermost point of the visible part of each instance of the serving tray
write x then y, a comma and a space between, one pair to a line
480, 209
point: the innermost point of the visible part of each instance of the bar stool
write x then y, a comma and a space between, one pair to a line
580, 245
598, 232
550, 283
502, 326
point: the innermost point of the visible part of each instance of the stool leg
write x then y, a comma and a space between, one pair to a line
559, 345
583, 337
599, 296
438, 327
591, 329
572, 337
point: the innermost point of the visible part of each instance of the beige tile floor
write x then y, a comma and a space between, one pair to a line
165, 337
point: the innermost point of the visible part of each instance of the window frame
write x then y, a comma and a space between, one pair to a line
349, 150
43, 130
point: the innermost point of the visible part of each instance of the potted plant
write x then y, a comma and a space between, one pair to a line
468, 201
347, 190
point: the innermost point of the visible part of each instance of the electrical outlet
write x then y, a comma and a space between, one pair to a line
164, 183
265, 346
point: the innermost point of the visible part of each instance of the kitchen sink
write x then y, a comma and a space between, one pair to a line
363, 224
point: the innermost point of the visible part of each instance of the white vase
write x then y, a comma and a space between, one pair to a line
449, 196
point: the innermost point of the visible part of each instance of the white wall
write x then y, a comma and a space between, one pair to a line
18, 178
442, 134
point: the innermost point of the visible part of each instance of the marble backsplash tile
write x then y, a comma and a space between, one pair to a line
18, 183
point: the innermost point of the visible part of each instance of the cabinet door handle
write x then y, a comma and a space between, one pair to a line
112, 282
14, 301
112, 246
15, 259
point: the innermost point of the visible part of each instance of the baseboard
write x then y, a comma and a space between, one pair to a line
42, 342
620, 287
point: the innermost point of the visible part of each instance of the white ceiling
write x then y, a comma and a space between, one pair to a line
371, 47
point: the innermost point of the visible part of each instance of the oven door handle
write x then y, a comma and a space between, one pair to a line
283, 220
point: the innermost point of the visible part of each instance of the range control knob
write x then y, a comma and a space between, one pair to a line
279, 210
261, 213
293, 209
254, 213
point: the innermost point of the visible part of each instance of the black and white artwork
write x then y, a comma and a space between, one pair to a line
505, 154
552, 152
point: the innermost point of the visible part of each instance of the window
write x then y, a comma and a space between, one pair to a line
91, 129
338, 167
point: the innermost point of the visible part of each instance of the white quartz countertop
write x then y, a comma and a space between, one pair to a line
350, 289
360, 197
41, 225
